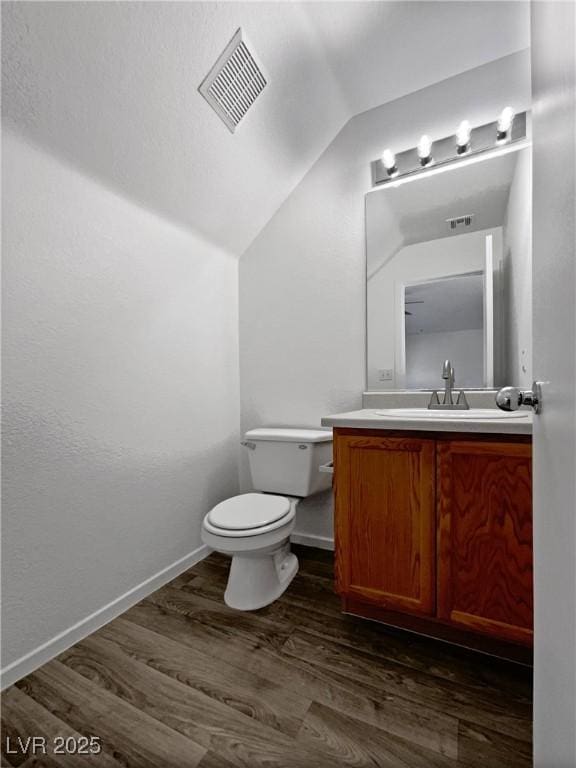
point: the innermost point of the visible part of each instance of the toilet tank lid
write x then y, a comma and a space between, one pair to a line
290, 435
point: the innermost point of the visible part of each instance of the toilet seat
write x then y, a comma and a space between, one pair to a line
249, 510
249, 514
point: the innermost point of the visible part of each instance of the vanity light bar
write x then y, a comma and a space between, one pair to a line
467, 141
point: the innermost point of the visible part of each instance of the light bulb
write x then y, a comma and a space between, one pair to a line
504, 124
389, 160
425, 150
463, 137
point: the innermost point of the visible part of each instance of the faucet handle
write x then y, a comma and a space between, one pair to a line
462, 402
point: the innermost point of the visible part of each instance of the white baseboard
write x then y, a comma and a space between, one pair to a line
48, 650
307, 540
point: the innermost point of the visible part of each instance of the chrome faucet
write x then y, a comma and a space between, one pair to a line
448, 376
461, 403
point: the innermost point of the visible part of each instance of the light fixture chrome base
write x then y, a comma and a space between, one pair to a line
484, 138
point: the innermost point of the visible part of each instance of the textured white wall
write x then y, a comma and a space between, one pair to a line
120, 394
302, 281
517, 249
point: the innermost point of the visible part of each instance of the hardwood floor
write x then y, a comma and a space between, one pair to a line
181, 680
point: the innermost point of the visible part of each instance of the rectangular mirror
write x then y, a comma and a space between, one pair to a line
449, 276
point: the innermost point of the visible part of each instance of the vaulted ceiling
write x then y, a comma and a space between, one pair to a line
111, 87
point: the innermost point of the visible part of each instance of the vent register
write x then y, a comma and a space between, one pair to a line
234, 82
460, 221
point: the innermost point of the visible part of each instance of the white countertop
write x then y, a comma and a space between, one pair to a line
369, 418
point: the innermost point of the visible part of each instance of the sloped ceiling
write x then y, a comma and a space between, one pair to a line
112, 89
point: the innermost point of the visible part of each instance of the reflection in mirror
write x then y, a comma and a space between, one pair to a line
449, 276
444, 319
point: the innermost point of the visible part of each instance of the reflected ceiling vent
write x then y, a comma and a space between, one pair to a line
459, 222
234, 82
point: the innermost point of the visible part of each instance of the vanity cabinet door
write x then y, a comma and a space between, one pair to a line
385, 521
485, 537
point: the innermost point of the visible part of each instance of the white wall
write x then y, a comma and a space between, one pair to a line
517, 247
302, 281
120, 394
425, 352
442, 257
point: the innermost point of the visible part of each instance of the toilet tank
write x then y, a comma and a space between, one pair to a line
286, 461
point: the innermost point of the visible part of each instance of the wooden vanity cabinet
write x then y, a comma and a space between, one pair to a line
437, 528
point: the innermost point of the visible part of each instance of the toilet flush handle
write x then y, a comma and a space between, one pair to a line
248, 444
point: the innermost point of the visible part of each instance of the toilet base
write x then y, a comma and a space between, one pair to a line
256, 580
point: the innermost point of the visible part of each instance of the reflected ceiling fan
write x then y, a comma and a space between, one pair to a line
411, 302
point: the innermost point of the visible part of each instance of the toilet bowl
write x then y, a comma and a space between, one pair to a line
255, 528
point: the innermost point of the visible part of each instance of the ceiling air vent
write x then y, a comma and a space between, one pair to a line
234, 82
460, 221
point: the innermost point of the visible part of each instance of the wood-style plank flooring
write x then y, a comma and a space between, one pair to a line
180, 680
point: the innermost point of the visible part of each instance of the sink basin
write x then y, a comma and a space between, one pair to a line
473, 414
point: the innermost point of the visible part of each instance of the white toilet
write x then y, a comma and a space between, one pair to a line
255, 528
